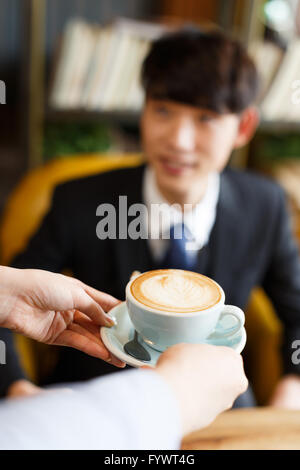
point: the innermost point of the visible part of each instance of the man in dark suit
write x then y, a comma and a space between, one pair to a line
199, 93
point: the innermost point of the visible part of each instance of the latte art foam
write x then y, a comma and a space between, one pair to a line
174, 290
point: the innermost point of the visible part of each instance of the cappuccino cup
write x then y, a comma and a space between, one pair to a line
170, 306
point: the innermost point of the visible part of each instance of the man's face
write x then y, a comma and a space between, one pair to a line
183, 144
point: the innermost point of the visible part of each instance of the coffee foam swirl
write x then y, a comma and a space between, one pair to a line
174, 290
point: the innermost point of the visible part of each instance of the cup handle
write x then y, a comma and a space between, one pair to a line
235, 312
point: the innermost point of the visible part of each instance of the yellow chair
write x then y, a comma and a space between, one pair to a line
264, 332
22, 215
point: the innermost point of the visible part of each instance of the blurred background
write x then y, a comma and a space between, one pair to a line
71, 70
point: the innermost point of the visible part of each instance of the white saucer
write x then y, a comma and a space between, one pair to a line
116, 337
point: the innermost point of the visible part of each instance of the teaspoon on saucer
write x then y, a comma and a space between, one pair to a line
135, 349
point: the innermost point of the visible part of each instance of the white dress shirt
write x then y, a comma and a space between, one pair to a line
199, 219
128, 410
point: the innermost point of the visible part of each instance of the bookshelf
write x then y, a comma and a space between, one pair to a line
41, 20
40, 35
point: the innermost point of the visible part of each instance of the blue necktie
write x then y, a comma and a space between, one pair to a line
177, 257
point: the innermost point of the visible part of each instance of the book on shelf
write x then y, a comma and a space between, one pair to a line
75, 52
98, 68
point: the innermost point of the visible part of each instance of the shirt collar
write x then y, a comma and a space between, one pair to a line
199, 220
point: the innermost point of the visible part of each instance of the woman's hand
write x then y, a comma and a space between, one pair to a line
55, 309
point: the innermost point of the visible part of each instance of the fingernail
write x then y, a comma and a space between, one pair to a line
109, 322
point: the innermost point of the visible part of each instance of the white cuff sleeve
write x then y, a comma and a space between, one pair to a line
128, 410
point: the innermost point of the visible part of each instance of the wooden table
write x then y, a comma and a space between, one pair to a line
249, 428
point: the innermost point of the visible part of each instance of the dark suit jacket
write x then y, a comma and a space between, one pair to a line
250, 245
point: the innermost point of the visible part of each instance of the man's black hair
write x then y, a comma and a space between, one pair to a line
203, 69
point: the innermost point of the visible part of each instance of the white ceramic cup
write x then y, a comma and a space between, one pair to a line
162, 329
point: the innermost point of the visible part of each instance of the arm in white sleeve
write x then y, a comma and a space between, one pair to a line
128, 410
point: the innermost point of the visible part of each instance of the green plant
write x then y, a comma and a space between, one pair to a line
61, 139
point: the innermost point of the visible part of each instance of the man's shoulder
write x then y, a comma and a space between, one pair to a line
251, 186
118, 181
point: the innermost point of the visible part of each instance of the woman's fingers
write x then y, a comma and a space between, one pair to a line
106, 301
86, 304
87, 340
116, 362
77, 340
88, 324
